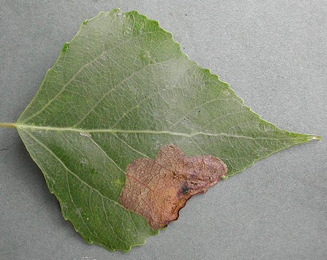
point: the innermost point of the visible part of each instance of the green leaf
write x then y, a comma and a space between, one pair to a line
121, 89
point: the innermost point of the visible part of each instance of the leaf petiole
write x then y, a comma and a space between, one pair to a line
7, 124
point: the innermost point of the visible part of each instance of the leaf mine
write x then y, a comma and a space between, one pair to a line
159, 188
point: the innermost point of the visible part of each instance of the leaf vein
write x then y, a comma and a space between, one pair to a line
68, 170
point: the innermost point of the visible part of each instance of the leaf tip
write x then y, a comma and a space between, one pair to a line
308, 137
314, 137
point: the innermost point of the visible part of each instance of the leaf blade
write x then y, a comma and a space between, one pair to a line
148, 94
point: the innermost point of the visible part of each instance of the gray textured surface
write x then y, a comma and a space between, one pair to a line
273, 54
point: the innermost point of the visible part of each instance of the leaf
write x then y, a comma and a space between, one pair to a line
119, 91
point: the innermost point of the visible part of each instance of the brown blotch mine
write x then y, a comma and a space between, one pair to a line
159, 188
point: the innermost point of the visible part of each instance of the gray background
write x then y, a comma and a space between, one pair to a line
274, 55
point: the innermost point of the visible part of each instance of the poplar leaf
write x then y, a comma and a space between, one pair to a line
121, 90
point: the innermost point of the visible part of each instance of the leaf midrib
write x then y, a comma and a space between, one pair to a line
158, 132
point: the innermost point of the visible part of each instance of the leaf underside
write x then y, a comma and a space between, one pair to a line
120, 90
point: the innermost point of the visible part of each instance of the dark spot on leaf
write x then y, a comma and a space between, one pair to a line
185, 188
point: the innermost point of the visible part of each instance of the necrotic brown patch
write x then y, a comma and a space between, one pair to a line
159, 188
